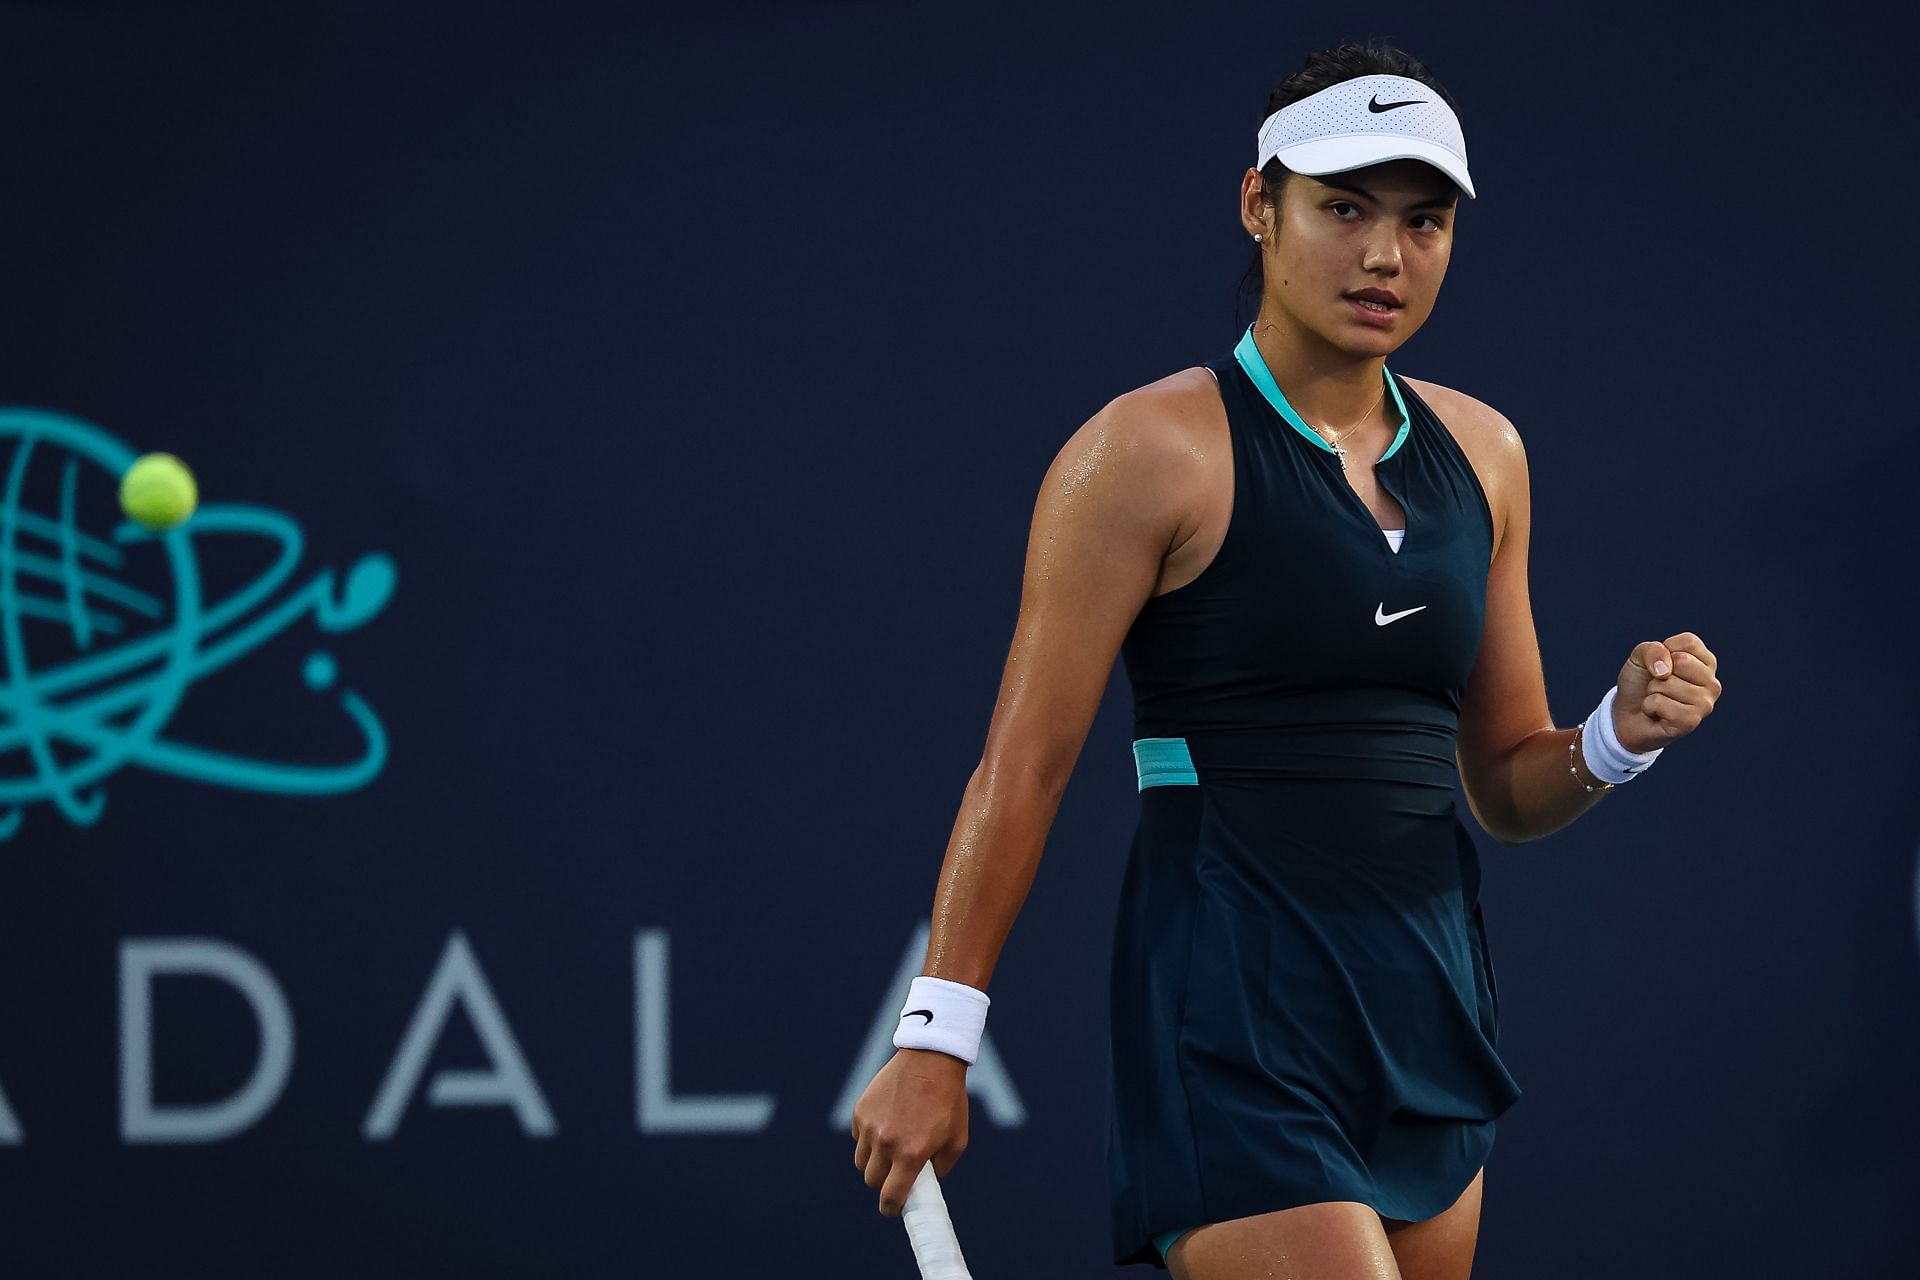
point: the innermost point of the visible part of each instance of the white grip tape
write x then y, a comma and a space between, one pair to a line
943, 1015
930, 1230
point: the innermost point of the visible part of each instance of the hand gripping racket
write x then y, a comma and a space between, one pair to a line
931, 1231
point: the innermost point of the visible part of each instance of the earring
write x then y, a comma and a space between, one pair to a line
1256, 237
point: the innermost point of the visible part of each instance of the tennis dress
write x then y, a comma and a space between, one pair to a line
1303, 1005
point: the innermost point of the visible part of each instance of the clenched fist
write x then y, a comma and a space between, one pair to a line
1666, 690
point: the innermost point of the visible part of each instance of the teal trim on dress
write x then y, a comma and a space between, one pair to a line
1248, 354
1164, 762
1164, 1241
1406, 420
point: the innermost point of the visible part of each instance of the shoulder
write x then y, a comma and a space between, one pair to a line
1489, 439
1474, 422
1167, 405
1149, 456
1169, 424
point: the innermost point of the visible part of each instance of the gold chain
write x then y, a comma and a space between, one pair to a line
1339, 449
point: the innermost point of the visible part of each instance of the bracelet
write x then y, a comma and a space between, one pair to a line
1578, 730
943, 1015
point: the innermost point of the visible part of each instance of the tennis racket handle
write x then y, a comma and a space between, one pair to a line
931, 1231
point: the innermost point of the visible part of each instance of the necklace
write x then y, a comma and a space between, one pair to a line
1339, 449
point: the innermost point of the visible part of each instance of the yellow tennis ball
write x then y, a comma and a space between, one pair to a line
158, 491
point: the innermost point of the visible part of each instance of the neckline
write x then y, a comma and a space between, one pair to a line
1247, 353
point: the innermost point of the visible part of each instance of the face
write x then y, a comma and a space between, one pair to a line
1355, 258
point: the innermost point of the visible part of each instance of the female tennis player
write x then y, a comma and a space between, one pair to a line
1316, 572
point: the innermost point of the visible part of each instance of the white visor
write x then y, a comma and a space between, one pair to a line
1363, 121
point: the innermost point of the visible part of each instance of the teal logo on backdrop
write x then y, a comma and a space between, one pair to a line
95, 666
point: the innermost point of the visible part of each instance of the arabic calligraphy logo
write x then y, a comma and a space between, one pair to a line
126, 656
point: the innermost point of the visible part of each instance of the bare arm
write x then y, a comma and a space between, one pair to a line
1513, 761
1107, 514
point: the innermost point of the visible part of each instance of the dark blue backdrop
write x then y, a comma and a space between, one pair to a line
693, 372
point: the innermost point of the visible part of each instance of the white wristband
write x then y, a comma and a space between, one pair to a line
943, 1015
1610, 761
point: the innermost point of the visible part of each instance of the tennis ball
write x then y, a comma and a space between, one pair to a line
158, 491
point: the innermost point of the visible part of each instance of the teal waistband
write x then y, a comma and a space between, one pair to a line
1164, 762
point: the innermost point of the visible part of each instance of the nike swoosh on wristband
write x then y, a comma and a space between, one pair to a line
927, 1013
1376, 106
1381, 617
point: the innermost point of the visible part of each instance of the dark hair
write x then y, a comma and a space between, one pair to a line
1323, 70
